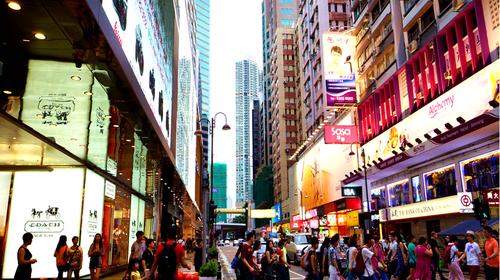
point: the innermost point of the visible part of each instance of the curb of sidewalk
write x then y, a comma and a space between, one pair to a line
227, 271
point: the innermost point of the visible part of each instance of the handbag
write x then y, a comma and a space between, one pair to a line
235, 262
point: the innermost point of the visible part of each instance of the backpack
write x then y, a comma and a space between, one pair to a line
167, 261
360, 267
446, 254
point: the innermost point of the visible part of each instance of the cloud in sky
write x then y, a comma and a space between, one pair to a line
235, 35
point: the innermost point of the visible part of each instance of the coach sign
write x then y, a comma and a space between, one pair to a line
340, 134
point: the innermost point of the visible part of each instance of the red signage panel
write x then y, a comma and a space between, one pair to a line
341, 134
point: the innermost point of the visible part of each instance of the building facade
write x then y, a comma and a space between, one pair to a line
220, 189
202, 8
316, 18
257, 136
247, 90
428, 114
88, 121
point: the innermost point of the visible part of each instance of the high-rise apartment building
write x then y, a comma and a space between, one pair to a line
219, 192
247, 90
284, 117
316, 18
275, 13
202, 8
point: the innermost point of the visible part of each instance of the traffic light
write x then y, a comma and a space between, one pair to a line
211, 211
481, 209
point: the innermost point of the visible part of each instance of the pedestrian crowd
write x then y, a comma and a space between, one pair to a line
395, 258
146, 261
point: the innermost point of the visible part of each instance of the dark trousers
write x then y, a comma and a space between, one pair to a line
437, 269
283, 273
490, 273
60, 271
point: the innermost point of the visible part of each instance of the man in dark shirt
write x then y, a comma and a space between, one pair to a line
436, 256
148, 257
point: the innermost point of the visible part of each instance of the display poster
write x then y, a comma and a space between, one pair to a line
143, 170
4, 199
457, 102
136, 162
54, 103
110, 190
140, 216
353, 218
145, 33
338, 54
319, 173
99, 126
134, 208
47, 204
93, 204
277, 208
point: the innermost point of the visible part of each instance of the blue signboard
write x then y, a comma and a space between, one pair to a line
277, 207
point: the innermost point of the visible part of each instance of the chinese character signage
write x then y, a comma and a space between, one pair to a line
492, 196
338, 53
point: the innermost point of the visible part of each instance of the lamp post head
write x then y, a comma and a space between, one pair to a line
351, 153
198, 132
226, 127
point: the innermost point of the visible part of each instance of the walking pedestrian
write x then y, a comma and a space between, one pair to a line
148, 258
283, 267
436, 256
198, 253
351, 258
400, 258
311, 262
412, 258
134, 270
393, 254
491, 262
423, 253
138, 247
473, 254
96, 251
249, 270
75, 259
454, 262
332, 256
366, 257
61, 255
269, 259
168, 257
378, 260
323, 257
24, 259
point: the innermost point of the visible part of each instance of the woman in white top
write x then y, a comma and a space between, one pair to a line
454, 266
351, 258
473, 255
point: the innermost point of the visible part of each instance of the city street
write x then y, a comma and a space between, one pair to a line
296, 272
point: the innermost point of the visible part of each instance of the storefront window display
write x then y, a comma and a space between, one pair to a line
4, 201
440, 182
379, 198
416, 189
116, 228
481, 172
399, 193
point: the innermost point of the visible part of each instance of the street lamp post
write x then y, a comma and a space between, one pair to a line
210, 188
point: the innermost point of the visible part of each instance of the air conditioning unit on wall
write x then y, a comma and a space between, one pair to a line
412, 47
457, 4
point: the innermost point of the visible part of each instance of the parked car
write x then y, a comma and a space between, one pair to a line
295, 245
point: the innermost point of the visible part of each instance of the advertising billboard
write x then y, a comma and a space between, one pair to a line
47, 204
320, 170
277, 208
340, 81
145, 33
340, 134
457, 102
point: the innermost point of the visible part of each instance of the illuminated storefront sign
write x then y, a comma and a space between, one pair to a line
47, 204
439, 206
457, 102
341, 219
340, 134
296, 222
144, 31
277, 208
353, 218
338, 52
351, 191
311, 213
332, 219
314, 223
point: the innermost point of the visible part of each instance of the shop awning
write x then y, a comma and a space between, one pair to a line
462, 227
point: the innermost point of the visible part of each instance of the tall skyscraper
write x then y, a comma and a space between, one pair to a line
247, 90
220, 189
202, 8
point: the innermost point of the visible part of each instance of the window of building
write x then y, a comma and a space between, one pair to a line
440, 182
378, 198
481, 172
416, 189
399, 193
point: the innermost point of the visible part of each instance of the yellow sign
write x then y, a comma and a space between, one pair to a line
353, 218
230, 211
262, 213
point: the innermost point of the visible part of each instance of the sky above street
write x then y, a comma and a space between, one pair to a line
235, 35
